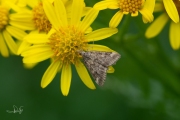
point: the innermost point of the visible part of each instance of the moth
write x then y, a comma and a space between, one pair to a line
98, 62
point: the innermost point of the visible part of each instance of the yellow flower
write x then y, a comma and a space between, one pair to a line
9, 28
63, 42
171, 9
145, 7
37, 15
33, 11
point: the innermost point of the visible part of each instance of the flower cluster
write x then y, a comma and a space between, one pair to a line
56, 29
171, 12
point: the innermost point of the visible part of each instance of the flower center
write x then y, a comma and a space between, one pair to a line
66, 42
40, 19
4, 19
177, 4
130, 6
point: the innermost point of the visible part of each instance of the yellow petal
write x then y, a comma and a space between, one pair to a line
174, 35
38, 57
22, 17
36, 49
149, 5
148, 16
76, 12
110, 69
13, 6
60, 12
144, 20
84, 75
22, 3
171, 10
29, 65
88, 30
66, 76
36, 38
88, 19
94, 47
16, 32
101, 5
22, 25
116, 19
68, 6
86, 10
34, 32
32, 3
50, 74
65, 1
106, 4
113, 5
3, 47
51, 32
101, 34
50, 13
156, 27
10, 42
24, 45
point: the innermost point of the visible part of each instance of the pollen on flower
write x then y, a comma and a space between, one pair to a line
3, 17
40, 19
65, 43
177, 4
130, 6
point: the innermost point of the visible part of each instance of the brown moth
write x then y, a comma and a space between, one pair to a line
97, 63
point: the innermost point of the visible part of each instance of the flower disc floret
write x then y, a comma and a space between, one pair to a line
66, 42
130, 6
40, 19
3, 17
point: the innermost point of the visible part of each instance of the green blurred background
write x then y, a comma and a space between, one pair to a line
145, 85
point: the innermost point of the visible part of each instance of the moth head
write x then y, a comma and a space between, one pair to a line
81, 52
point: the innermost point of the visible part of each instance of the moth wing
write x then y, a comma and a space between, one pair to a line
97, 63
104, 58
114, 57
97, 70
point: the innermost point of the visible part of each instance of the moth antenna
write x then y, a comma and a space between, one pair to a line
93, 44
91, 48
